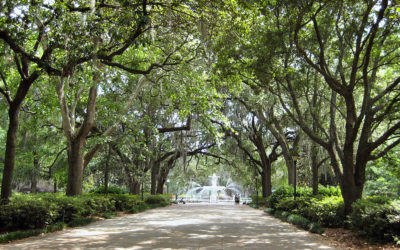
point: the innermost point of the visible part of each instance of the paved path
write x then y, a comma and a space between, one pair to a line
181, 227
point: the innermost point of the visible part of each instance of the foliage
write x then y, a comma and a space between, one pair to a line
269, 210
377, 218
278, 195
81, 222
315, 228
329, 190
298, 220
327, 211
157, 199
125, 202
262, 201
138, 208
25, 212
34, 211
383, 176
294, 206
254, 205
7, 237
111, 190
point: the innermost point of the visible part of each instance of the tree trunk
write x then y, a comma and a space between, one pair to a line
11, 142
290, 168
155, 169
75, 167
314, 168
350, 193
55, 186
76, 140
163, 177
36, 169
107, 170
266, 183
9, 160
134, 186
160, 186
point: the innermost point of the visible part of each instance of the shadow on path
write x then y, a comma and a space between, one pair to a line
182, 227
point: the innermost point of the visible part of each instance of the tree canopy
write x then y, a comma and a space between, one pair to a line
131, 92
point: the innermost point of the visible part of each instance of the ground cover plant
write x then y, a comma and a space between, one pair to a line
32, 214
375, 217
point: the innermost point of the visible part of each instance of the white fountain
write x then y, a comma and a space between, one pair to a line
213, 193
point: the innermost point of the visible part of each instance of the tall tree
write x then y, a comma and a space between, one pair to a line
350, 45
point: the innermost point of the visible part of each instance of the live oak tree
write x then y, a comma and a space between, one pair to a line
350, 46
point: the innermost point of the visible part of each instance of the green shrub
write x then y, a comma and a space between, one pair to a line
269, 210
328, 212
254, 205
304, 191
81, 222
298, 206
281, 214
69, 208
156, 199
98, 204
40, 210
285, 215
262, 201
279, 194
162, 204
111, 190
125, 202
4, 238
138, 208
299, 221
109, 215
329, 191
278, 214
315, 228
26, 212
376, 217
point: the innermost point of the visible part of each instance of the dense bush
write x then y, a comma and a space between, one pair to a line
98, 204
329, 191
4, 238
315, 228
269, 210
287, 191
156, 199
296, 220
40, 210
262, 201
125, 202
297, 206
376, 217
111, 190
328, 211
278, 195
299, 221
27, 213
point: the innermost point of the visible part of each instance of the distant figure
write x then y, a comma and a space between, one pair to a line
182, 201
176, 196
237, 198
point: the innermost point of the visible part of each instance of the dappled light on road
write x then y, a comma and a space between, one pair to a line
189, 226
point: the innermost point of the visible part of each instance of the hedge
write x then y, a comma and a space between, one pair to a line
37, 211
374, 217
377, 217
